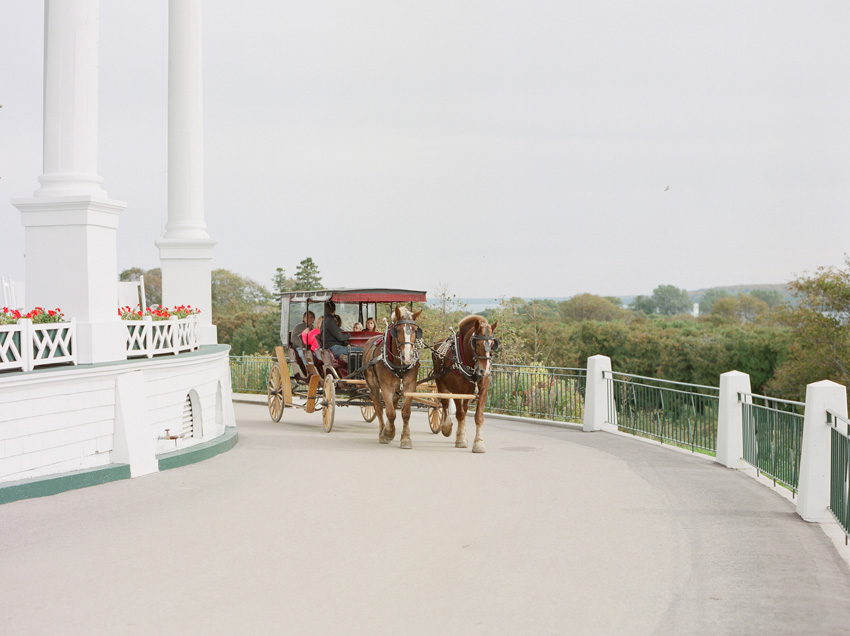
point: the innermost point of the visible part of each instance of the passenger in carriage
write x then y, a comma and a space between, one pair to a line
306, 323
332, 336
370, 324
311, 338
357, 327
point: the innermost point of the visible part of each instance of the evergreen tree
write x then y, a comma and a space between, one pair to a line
281, 283
307, 275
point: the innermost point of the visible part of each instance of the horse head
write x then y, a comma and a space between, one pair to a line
483, 344
405, 332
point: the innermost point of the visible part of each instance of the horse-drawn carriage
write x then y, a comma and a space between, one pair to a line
375, 369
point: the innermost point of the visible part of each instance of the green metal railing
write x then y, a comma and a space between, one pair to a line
839, 471
773, 437
250, 374
530, 391
553, 393
676, 413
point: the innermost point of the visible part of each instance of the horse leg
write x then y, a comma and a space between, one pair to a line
478, 443
409, 382
379, 411
460, 440
446, 421
374, 386
389, 405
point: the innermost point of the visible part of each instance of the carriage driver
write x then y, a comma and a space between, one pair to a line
332, 336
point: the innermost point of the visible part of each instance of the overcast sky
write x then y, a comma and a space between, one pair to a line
503, 148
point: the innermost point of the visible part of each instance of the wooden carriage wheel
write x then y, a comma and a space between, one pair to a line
274, 393
435, 418
329, 403
368, 412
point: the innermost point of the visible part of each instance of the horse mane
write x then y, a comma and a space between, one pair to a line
469, 323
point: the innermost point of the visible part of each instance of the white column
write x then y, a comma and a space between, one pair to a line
813, 487
596, 394
71, 224
186, 249
730, 434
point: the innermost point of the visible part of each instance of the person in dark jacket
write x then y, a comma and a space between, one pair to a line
306, 323
332, 336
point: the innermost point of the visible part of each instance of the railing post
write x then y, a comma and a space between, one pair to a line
813, 489
596, 393
147, 334
730, 422
27, 336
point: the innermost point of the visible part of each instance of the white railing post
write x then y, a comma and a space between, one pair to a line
813, 488
730, 421
174, 321
27, 344
147, 334
596, 393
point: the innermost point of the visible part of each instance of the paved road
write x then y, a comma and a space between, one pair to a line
296, 531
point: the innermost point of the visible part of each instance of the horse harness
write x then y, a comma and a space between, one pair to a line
452, 348
386, 354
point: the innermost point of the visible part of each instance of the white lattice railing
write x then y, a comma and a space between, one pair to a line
25, 346
147, 338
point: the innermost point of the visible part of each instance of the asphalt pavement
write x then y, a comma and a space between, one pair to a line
298, 531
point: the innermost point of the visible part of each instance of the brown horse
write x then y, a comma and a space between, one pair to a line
392, 366
465, 368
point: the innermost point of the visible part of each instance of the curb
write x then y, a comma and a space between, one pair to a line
199, 452
62, 482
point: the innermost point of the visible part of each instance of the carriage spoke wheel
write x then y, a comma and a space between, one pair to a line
330, 403
274, 393
435, 418
368, 411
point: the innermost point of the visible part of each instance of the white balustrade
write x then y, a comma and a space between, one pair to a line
147, 337
25, 346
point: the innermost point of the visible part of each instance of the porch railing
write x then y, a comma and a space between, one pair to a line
25, 346
147, 337
773, 437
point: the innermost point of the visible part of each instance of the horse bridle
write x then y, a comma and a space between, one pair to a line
491, 344
405, 321
392, 335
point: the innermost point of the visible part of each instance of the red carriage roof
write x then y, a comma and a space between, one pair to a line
371, 295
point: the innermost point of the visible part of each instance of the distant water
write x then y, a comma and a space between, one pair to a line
477, 305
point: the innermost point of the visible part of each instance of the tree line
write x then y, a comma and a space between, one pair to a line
782, 343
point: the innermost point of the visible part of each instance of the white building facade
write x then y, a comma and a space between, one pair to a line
106, 409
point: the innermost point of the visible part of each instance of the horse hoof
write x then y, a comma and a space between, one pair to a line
460, 443
478, 447
383, 440
446, 430
406, 443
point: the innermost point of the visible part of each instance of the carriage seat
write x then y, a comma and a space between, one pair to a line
332, 364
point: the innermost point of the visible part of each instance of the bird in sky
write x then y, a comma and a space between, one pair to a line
667, 188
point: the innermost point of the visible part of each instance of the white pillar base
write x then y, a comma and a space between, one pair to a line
596, 395
101, 341
187, 278
132, 443
813, 487
730, 434
72, 264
